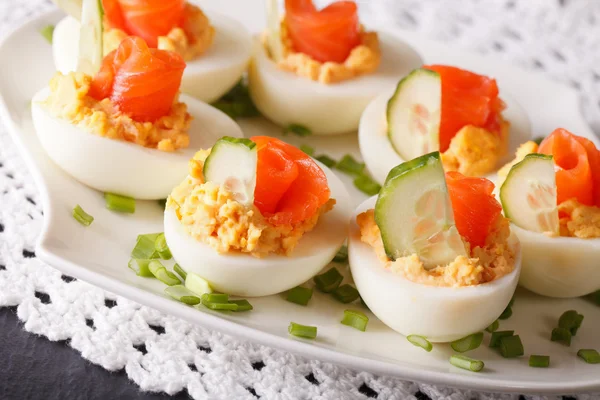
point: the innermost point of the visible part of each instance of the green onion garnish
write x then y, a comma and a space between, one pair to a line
539, 361
162, 203
140, 267
305, 331
538, 140
496, 336
512, 301
299, 295
345, 294
493, 327
342, 255
561, 335
511, 346
215, 297
507, 313
350, 166
163, 274
119, 203
570, 320
467, 363
326, 160
47, 32
467, 343
329, 281
367, 185
237, 102
180, 293
297, 129
590, 356
355, 319
229, 306
307, 149
144, 247
160, 244
595, 297
242, 305
180, 272
81, 216
420, 341
198, 285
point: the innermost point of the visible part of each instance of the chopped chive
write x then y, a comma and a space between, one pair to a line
180, 293
307, 149
160, 244
345, 294
539, 361
362, 301
350, 166
590, 356
329, 281
305, 331
297, 129
81, 216
496, 336
163, 274
237, 102
367, 185
512, 301
199, 285
119, 203
215, 297
326, 160
140, 267
355, 319
180, 272
299, 295
420, 341
561, 335
47, 32
595, 297
538, 140
242, 305
229, 306
162, 203
570, 320
144, 247
507, 313
464, 362
493, 327
511, 346
342, 255
467, 343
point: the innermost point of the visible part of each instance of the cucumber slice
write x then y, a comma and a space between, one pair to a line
197, 284
71, 7
414, 113
90, 37
232, 163
528, 194
414, 213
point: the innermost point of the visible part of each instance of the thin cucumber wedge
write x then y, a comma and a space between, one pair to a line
414, 113
90, 37
414, 213
232, 163
528, 194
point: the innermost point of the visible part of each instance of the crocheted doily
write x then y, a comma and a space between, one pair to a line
162, 353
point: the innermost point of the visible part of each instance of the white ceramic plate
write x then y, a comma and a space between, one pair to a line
99, 254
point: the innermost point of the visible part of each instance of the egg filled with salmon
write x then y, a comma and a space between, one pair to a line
256, 216
125, 129
320, 68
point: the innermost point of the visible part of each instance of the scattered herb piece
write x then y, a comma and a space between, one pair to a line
355, 319
506, 314
328, 281
162, 273
197, 284
493, 327
305, 331
467, 363
342, 255
511, 346
570, 320
297, 129
242, 305
160, 244
81, 216
539, 361
326, 160
180, 293
237, 103
467, 343
420, 341
299, 295
307, 149
561, 335
590, 356
144, 247
119, 203
367, 185
47, 33
140, 267
346, 294
496, 336
350, 166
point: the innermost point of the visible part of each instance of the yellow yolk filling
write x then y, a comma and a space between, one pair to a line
211, 215
199, 37
363, 59
485, 264
68, 100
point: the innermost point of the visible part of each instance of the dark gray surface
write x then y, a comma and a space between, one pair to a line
32, 367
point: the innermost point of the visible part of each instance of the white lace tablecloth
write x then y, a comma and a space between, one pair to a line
162, 353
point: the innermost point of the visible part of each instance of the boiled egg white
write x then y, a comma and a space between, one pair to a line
286, 98
121, 167
441, 314
380, 157
207, 77
244, 275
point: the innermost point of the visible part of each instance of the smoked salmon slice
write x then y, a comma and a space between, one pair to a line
140, 81
474, 205
147, 19
577, 166
467, 99
290, 186
326, 35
